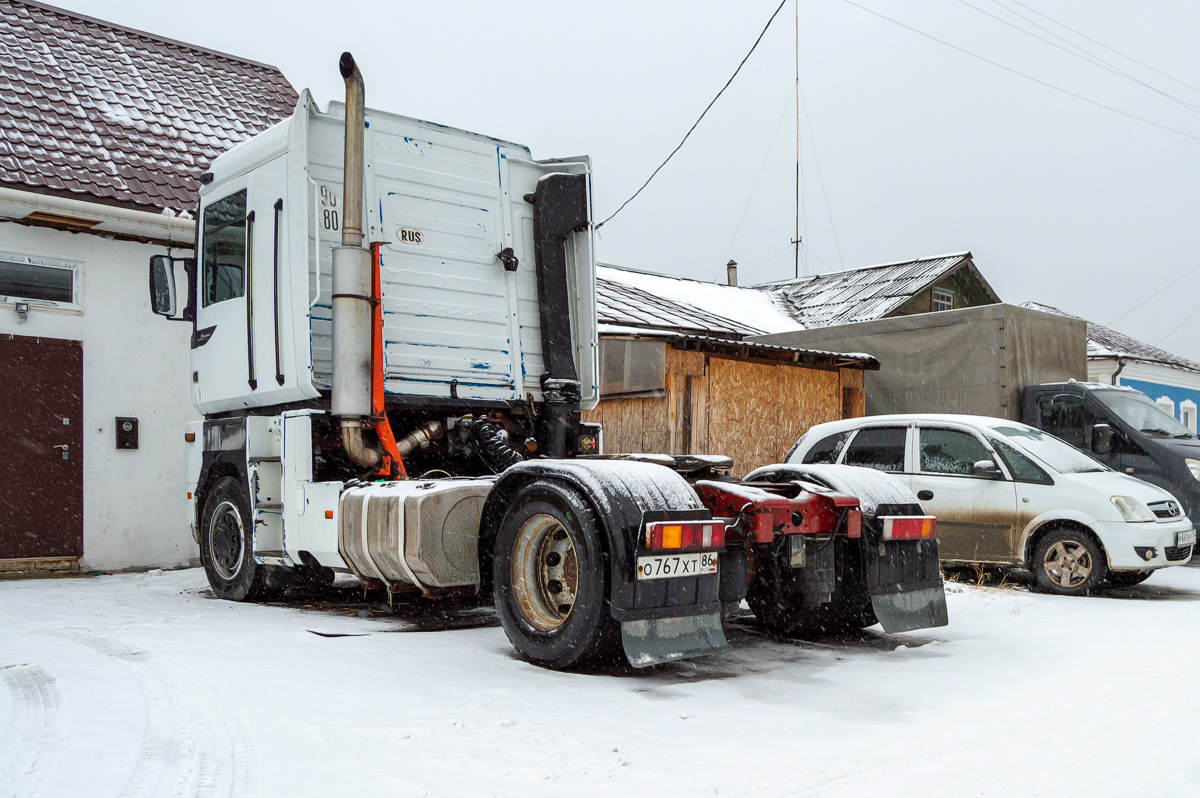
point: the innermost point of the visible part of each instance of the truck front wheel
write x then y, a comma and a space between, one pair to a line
549, 579
227, 543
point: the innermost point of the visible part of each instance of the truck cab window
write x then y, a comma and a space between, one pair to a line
1067, 417
827, 449
881, 448
950, 451
224, 249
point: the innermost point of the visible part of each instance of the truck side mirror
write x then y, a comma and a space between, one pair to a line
987, 469
164, 299
1102, 437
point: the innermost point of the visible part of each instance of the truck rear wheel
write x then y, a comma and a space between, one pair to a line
227, 543
549, 579
781, 611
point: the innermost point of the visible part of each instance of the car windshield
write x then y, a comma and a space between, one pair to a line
1136, 410
1060, 456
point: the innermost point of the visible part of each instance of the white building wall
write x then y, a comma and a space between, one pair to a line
134, 364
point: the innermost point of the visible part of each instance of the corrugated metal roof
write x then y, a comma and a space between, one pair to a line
1105, 342
825, 300
627, 306
95, 110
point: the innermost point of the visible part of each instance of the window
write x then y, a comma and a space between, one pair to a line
827, 449
951, 451
881, 448
632, 367
1187, 414
1021, 467
22, 279
224, 249
1048, 449
1167, 404
941, 299
1065, 416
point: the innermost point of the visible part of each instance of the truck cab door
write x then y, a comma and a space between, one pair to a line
236, 348
1072, 417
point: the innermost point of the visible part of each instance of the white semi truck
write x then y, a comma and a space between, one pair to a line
394, 332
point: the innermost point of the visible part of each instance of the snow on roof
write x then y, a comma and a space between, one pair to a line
639, 299
1105, 342
866, 294
99, 111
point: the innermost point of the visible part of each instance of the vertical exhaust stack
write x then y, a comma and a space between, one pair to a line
352, 286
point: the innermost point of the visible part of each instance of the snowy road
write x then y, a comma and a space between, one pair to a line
145, 685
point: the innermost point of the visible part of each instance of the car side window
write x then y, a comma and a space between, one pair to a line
881, 448
950, 451
1066, 416
827, 449
1021, 467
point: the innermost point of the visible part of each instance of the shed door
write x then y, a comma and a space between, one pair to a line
41, 436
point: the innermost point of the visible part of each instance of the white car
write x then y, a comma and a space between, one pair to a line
1005, 493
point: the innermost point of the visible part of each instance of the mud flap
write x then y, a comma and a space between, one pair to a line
911, 609
658, 640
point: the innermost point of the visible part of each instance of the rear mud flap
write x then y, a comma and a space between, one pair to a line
658, 640
912, 609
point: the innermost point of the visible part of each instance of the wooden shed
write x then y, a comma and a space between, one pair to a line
688, 394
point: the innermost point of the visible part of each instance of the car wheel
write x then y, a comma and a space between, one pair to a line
549, 579
227, 543
1128, 578
1069, 562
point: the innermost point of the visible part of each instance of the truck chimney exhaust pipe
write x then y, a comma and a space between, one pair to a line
352, 287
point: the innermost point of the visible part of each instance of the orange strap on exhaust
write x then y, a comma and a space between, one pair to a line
392, 465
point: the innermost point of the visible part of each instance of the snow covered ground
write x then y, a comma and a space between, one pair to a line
143, 684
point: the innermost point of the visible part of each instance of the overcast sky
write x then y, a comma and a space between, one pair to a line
914, 148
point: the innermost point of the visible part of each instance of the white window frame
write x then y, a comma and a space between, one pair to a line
1187, 414
1166, 404
946, 298
76, 269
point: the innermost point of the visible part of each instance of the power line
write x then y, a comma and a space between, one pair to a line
1082, 54
771, 146
1163, 290
1177, 326
1021, 74
697, 122
1106, 47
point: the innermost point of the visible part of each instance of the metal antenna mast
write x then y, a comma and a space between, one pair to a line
797, 239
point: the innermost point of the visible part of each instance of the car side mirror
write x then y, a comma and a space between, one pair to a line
987, 469
1102, 438
164, 298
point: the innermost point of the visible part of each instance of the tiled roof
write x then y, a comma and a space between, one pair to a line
1105, 342
626, 306
96, 111
866, 294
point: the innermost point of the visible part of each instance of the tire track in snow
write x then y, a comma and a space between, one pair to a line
31, 739
195, 743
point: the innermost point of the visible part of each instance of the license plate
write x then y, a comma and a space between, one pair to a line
670, 565
1185, 538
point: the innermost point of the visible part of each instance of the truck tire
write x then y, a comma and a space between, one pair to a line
550, 580
1128, 578
1068, 562
848, 610
227, 543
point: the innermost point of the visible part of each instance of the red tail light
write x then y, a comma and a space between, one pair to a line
685, 535
909, 527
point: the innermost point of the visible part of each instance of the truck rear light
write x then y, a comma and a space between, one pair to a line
909, 527
685, 535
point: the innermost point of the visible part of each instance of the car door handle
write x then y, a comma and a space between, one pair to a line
925, 495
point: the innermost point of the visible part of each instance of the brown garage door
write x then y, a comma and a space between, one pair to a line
41, 420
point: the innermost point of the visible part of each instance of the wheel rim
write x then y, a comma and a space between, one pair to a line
1068, 563
227, 540
545, 572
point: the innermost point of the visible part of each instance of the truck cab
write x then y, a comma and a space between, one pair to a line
1123, 429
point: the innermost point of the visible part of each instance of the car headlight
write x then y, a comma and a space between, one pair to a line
1133, 510
1194, 467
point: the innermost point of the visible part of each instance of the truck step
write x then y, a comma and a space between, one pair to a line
269, 506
